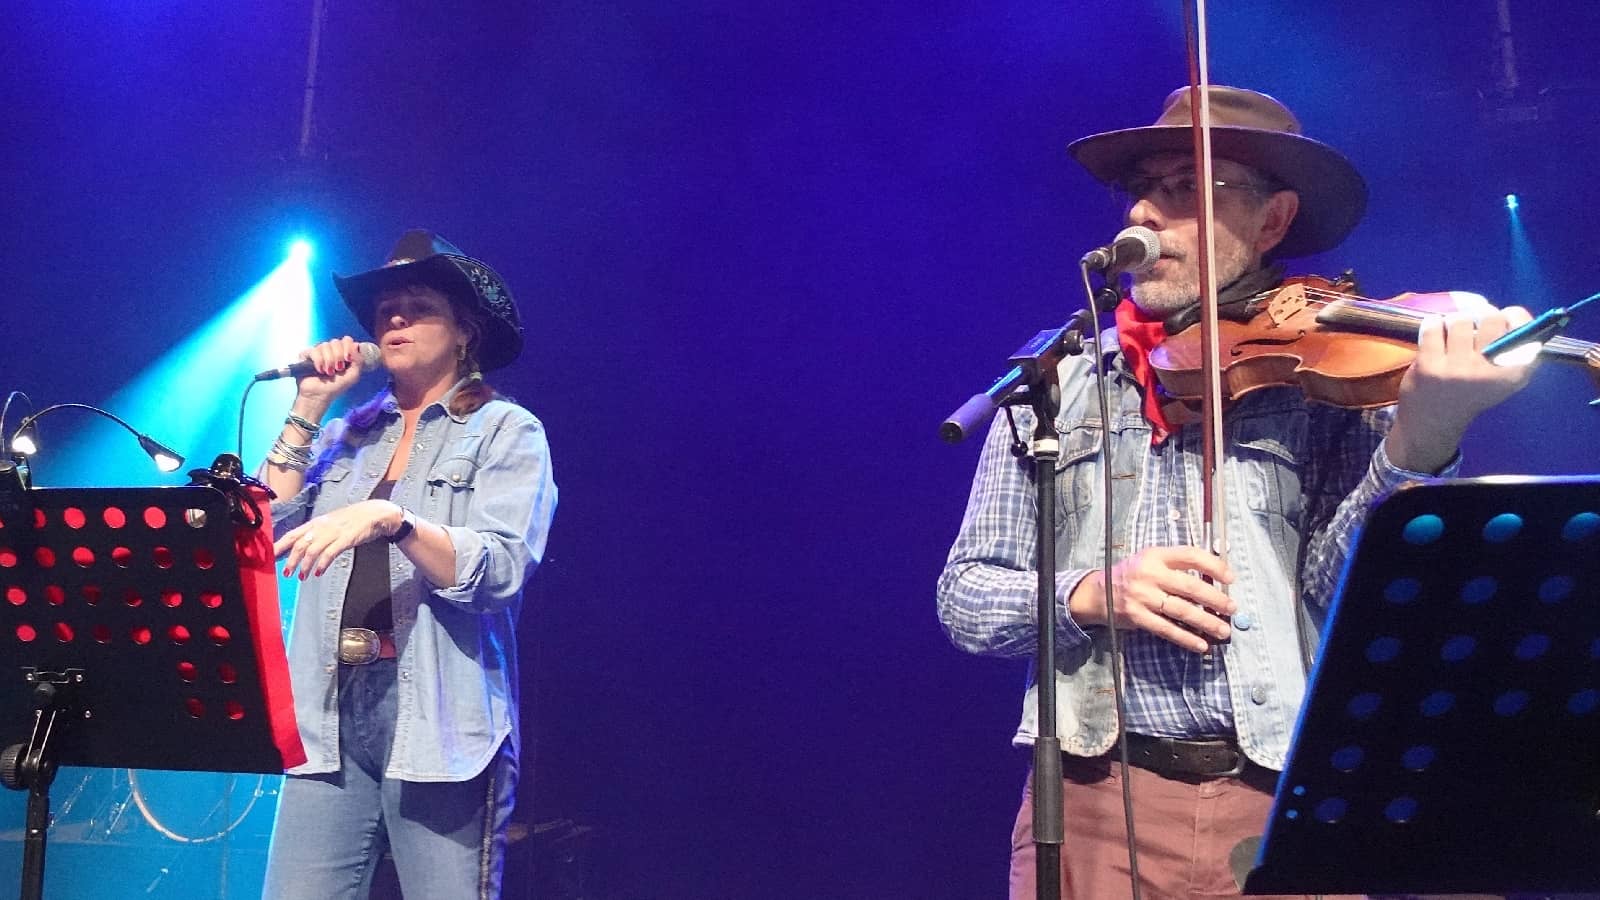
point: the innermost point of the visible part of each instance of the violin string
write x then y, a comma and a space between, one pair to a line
1557, 343
1322, 298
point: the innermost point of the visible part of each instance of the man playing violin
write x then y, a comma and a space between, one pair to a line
1214, 677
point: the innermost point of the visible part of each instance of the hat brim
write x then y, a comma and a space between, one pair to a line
1333, 195
500, 343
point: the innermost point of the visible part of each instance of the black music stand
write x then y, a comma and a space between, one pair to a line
128, 641
1450, 738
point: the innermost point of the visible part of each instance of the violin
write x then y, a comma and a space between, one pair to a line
1316, 334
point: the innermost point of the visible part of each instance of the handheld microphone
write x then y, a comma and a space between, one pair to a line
1135, 249
371, 356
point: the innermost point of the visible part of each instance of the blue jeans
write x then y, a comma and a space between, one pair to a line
448, 838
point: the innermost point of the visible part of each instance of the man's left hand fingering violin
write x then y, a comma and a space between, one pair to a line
1316, 334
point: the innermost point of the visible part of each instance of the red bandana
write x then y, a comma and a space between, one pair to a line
1139, 334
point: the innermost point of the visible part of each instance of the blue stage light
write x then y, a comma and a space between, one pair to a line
300, 251
189, 394
1512, 202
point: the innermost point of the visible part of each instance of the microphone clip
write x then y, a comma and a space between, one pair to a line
228, 477
1047, 348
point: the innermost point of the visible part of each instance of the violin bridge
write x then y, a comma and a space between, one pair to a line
1286, 303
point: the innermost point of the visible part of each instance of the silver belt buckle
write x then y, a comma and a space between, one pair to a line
359, 646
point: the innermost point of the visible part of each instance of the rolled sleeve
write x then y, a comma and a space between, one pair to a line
1357, 476
502, 538
987, 591
289, 513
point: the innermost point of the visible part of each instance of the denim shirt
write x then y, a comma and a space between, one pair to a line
1298, 479
486, 478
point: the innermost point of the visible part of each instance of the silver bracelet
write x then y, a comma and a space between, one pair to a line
286, 463
291, 456
311, 429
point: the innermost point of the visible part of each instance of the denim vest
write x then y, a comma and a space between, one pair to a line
1266, 447
486, 478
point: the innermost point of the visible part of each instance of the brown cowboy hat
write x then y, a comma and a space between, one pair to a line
422, 257
1255, 130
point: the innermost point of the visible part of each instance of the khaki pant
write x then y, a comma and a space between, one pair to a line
1186, 832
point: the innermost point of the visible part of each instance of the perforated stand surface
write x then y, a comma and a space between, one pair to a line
1451, 737
140, 590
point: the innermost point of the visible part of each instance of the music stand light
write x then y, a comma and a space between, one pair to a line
165, 458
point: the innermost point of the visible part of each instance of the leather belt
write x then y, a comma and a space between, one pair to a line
360, 646
1174, 758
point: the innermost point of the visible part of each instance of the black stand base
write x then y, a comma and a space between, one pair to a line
32, 766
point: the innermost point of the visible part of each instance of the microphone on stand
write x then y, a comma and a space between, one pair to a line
1134, 249
371, 356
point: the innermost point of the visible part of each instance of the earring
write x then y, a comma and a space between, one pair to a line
461, 351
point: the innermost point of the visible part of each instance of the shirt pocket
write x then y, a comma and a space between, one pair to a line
333, 487
1271, 457
1078, 470
450, 485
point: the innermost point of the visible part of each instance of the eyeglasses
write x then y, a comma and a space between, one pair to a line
1179, 190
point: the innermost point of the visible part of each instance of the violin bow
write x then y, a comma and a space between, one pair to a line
1214, 517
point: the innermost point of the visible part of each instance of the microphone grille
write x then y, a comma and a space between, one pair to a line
1149, 246
371, 355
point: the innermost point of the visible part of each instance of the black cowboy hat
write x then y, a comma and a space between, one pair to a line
1255, 130
422, 257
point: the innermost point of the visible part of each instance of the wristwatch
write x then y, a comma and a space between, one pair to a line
408, 524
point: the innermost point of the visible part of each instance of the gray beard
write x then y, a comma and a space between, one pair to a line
1165, 297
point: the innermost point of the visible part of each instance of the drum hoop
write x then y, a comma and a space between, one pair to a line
156, 823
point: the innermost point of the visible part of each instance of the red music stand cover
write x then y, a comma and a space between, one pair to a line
167, 607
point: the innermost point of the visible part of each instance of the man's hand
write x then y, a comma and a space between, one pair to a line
1451, 384
1157, 590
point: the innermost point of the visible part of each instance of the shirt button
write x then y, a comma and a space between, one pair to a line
1242, 621
1258, 695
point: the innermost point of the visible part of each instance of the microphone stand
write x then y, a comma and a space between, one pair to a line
1033, 380
1049, 813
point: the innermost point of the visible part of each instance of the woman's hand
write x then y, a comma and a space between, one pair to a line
312, 547
338, 368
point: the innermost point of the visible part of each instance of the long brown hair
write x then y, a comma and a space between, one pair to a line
476, 392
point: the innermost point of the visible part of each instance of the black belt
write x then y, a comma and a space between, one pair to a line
1174, 758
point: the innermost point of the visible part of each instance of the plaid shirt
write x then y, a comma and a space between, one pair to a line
1301, 476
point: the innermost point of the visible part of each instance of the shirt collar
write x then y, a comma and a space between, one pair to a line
391, 406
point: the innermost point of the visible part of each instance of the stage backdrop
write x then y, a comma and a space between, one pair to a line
761, 250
